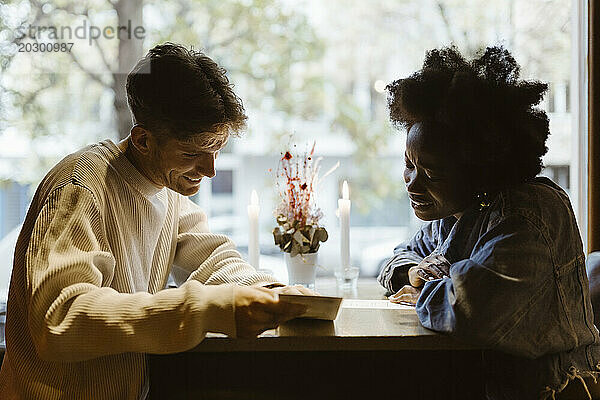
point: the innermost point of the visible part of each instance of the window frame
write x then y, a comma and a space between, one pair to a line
579, 121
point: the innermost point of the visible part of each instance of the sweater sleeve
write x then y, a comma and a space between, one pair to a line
207, 257
394, 274
72, 313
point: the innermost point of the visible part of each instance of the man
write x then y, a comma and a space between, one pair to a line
107, 226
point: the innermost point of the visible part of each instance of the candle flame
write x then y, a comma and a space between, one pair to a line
345, 192
254, 198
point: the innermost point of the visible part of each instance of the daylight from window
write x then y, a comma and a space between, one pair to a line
308, 71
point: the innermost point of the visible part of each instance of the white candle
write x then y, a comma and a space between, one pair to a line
253, 249
344, 211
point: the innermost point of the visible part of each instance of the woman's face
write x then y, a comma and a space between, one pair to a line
436, 186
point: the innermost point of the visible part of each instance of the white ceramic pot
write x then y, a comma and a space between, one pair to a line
302, 269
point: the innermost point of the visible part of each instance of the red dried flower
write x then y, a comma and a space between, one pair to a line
297, 183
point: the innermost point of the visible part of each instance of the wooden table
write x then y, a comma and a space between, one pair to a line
378, 352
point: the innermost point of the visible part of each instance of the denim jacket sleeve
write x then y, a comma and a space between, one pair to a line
394, 274
494, 297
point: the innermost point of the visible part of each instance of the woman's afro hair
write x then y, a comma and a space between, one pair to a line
482, 109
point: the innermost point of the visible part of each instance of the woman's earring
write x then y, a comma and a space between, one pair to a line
483, 200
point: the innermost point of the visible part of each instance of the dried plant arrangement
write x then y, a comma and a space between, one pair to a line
297, 215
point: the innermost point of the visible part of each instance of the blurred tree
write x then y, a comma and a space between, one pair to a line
267, 48
294, 61
369, 44
110, 75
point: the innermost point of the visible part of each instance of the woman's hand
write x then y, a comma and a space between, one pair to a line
407, 295
432, 267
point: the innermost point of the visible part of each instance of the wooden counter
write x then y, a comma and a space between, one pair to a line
364, 353
353, 330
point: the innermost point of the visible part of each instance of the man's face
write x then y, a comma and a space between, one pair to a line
181, 165
436, 187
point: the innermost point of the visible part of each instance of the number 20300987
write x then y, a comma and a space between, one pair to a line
45, 47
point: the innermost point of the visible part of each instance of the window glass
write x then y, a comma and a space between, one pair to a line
315, 69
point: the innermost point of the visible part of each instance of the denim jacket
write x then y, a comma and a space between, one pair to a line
517, 283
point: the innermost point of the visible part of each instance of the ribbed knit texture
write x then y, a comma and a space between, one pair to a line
87, 295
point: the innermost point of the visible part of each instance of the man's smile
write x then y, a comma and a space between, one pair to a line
193, 181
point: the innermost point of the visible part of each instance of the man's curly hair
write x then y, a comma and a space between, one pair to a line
482, 109
179, 93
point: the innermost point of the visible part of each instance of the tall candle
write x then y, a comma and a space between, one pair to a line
253, 249
344, 211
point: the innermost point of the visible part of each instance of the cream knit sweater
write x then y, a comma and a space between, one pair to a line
87, 295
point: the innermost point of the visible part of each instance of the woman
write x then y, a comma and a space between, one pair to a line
500, 261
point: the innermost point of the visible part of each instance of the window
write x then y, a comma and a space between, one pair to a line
317, 69
222, 183
14, 199
551, 99
559, 174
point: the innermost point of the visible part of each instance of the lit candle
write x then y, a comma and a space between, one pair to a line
344, 211
253, 249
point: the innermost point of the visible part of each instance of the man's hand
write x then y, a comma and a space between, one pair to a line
259, 309
407, 295
432, 267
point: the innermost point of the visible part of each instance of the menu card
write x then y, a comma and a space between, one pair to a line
375, 304
318, 307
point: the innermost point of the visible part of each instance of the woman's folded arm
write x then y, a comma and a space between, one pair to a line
495, 297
